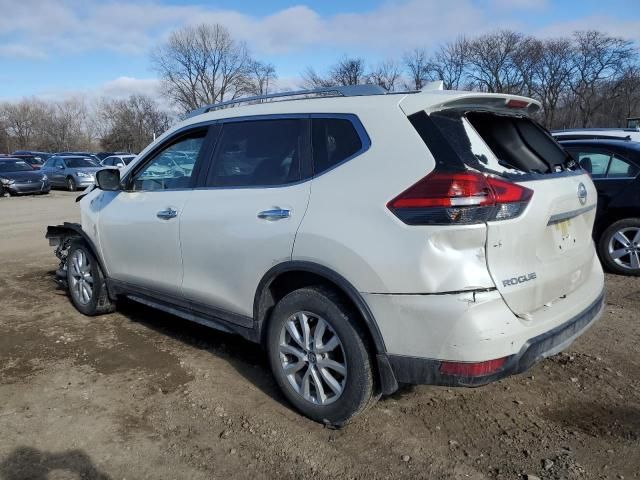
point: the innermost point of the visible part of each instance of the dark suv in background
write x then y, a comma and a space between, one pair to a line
614, 166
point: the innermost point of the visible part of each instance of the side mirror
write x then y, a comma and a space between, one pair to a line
60, 167
108, 179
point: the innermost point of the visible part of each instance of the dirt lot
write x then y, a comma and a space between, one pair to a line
139, 394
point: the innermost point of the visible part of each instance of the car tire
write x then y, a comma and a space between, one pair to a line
86, 283
71, 184
619, 247
338, 398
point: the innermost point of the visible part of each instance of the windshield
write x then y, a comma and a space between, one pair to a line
80, 163
14, 166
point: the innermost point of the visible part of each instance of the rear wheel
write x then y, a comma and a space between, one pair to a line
71, 184
87, 286
319, 356
619, 247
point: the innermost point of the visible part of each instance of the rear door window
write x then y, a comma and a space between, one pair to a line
334, 140
259, 153
620, 168
593, 162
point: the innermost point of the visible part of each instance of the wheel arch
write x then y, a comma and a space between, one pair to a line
615, 214
57, 234
278, 281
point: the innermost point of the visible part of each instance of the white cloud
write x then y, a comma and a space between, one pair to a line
24, 52
40, 27
123, 87
629, 29
133, 28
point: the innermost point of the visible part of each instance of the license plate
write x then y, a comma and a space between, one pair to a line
563, 235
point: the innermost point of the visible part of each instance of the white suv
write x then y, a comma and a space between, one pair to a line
365, 239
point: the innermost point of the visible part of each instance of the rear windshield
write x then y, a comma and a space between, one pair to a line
81, 163
502, 145
14, 166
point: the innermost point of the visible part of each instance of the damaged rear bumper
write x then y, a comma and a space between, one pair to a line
416, 370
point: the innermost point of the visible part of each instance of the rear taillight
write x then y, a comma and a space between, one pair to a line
472, 369
459, 198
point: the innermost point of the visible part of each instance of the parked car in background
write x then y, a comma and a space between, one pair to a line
39, 155
598, 134
614, 166
79, 154
17, 177
119, 161
35, 161
103, 155
71, 171
365, 239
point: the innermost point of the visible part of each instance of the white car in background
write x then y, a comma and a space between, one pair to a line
363, 238
119, 161
632, 134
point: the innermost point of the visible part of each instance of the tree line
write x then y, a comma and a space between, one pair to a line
587, 79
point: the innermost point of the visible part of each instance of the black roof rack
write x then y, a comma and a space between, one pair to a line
338, 91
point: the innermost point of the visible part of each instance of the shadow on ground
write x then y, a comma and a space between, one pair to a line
599, 420
247, 358
26, 463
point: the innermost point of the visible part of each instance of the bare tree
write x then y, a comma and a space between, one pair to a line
450, 63
312, 79
261, 77
202, 65
23, 120
598, 58
65, 126
418, 67
131, 124
386, 74
629, 88
492, 66
348, 71
551, 73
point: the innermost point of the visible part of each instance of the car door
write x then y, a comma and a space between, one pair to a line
57, 177
139, 226
611, 172
244, 219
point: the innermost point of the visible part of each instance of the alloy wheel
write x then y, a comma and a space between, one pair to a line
81, 281
312, 358
624, 248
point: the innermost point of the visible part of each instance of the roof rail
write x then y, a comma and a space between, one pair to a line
338, 91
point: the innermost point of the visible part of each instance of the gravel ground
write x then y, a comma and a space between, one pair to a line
140, 394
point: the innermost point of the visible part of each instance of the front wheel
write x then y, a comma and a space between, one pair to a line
87, 286
619, 247
319, 357
71, 184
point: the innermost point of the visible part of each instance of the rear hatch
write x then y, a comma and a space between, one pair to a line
545, 251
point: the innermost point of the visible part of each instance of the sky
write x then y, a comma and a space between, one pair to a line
54, 49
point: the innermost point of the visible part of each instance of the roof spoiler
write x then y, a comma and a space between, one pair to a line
431, 100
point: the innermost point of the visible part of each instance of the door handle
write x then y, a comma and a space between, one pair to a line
167, 214
274, 214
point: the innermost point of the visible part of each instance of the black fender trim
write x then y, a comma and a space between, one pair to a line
320, 270
55, 234
388, 383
